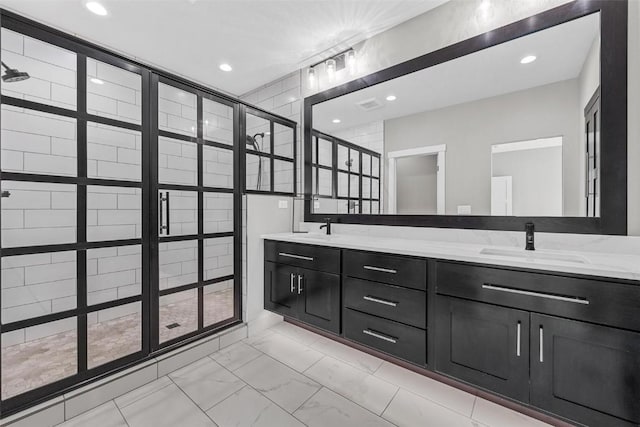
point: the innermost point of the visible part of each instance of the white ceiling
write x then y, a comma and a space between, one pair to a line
262, 39
561, 52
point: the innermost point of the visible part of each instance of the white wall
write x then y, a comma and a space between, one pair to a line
469, 130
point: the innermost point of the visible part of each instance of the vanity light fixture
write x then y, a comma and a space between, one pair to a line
96, 81
311, 76
391, 98
336, 121
96, 8
226, 67
330, 65
528, 59
350, 59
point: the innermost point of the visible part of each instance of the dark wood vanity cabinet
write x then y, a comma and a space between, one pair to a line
580, 370
294, 289
565, 344
385, 303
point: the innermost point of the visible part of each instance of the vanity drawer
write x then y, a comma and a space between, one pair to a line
592, 300
307, 256
405, 342
392, 269
403, 305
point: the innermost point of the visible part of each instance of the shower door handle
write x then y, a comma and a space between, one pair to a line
164, 228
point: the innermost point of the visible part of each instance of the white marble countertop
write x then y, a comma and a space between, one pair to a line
591, 263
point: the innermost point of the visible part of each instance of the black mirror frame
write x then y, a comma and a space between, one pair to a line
613, 107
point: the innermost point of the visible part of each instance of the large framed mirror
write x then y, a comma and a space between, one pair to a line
525, 123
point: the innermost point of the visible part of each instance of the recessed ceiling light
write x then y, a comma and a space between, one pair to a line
96, 81
336, 120
226, 67
96, 8
528, 59
391, 98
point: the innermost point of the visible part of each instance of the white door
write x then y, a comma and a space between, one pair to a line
501, 196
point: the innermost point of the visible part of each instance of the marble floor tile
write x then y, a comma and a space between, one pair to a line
494, 415
235, 355
247, 407
167, 407
296, 333
288, 351
326, 408
362, 388
451, 397
142, 392
408, 409
206, 382
353, 357
278, 382
105, 415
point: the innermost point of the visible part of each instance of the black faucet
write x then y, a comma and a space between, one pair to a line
529, 229
327, 225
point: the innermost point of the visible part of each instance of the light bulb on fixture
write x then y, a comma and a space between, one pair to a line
330, 65
350, 59
311, 75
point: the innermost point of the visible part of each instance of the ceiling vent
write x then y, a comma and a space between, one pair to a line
369, 104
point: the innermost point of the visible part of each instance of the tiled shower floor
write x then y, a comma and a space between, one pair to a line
289, 377
39, 362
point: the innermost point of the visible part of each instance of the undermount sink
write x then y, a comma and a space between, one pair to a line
534, 255
316, 236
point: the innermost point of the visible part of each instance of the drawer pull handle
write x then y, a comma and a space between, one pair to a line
300, 284
380, 301
306, 258
379, 336
518, 340
576, 300
541, 344
383, 270
293, 286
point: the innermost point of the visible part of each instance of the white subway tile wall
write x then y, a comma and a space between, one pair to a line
218, 212
370, 136
283, 176
113, 92
281, 97
325, 180
183, 212
177, 162
37, 142
38, 214
177, 110
113, 273
218, 122
217, 167
282, 140
52, 70
113, 153
178, 263
218, 257
253, 170
37, 285
113, 213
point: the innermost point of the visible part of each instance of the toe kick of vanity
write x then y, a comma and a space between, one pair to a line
564, 344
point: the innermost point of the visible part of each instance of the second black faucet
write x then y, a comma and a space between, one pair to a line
327, 225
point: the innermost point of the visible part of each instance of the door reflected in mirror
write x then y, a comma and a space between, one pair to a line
511, 130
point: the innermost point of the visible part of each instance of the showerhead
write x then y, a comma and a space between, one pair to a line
251, 140
12, 75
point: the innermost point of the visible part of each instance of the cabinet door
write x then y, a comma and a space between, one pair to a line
280, 291
484, 344
319, 299
585, 372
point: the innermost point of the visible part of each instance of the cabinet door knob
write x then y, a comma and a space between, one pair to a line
293, 286
299, 284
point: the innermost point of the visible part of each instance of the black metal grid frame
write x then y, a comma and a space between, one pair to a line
270, 156
81, 182
335, 169
149, 240
200, 189
613, 125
